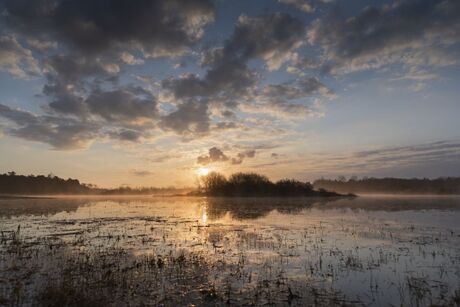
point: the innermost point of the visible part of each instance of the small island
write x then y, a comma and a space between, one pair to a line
256, 185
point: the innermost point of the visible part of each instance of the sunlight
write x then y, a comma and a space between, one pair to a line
204, 217
203, 171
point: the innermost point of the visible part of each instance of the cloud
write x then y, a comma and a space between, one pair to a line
217, 155
129, 59
242, 155
67, 81
84, 46
126, 104
16, 59
407, 31
84, 54
70, 68
127, 135
429, 159
298, 64
226, 126
191, 117
61, 133
293, 97
228, 80
272, 37
307, 6
214, 155
413, 150
157, 27
142, 173
67, 133
224, 82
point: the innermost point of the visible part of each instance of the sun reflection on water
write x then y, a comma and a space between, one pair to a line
204, 216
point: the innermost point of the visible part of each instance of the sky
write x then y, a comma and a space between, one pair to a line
155, 92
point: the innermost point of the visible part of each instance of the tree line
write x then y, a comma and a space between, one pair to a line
11, 183
448, 185
252, 184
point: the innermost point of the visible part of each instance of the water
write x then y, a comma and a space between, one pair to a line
163, 251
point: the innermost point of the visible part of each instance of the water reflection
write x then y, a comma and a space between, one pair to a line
253, 208
216, 208
395, 203
38, 206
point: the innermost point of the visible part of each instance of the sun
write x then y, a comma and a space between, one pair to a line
203, 171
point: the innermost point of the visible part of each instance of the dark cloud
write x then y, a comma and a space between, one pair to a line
411, 31
305, 5
70, 68
242, 155
300, 88
226, 125
271, 37
224, 83
191, 117
217, 155
69, 77
122, 105
126, 135
229, 80
294, 97
61, 133
94, 39
128, 104
142, 173
156, 27
16, 59
66, 133
214, 155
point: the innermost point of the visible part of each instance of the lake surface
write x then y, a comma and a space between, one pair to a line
372, 251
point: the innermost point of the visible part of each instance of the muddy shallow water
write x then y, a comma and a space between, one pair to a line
204, 251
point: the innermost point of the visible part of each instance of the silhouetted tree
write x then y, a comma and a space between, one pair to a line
11, 183
252, 184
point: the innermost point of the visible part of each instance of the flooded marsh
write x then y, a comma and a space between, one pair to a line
144, 251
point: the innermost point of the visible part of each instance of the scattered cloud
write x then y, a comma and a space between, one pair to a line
190, 117
142, 173
214, 155
60, 133
217, 155
157, 27
294, 97
16, 59
133, 105
242, 155
409, 32
307, 6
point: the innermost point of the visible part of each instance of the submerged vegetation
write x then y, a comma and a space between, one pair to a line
449, 185
252, 184
209, 252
